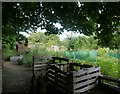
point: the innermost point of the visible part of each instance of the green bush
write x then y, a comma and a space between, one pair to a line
8, 53
109, 65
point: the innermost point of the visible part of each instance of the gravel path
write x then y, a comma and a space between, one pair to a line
16, 79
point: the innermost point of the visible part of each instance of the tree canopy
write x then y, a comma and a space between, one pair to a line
40, 37
99, 18
70, 43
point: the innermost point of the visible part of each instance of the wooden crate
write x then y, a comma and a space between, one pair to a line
72, 81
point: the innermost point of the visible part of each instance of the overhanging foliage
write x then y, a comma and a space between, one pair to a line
100, 18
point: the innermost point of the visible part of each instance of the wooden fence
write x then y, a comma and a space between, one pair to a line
85, 79
63, 78
40, 64
72, 81
109, 84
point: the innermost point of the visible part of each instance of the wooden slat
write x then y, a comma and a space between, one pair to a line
42, 65
62, 72
45, 61
81, 84
51, 83
38, 62
51, 80
51, 75
61, 81
63, 90
50, 72
84, 89
82, 65
88, 76
41, 62
52, 67
64, 68
79, 73
93, 69
86, 70
40, 68
103, 77
59, 58
37, 69
61, 85
61, 77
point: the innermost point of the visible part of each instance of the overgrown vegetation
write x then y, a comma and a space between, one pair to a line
85, 51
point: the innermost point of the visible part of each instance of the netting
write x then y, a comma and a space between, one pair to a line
114, 55
81, 55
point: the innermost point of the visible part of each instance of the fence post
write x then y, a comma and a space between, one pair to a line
33, 80
56, 79
71, 67
119, 83
33, 84
87, 71
69, 83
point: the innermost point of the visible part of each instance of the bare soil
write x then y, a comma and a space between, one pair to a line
16, 79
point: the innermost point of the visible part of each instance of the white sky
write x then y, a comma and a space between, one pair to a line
62, 36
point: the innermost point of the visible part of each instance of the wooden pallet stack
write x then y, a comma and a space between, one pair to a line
40, 63
72, 81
